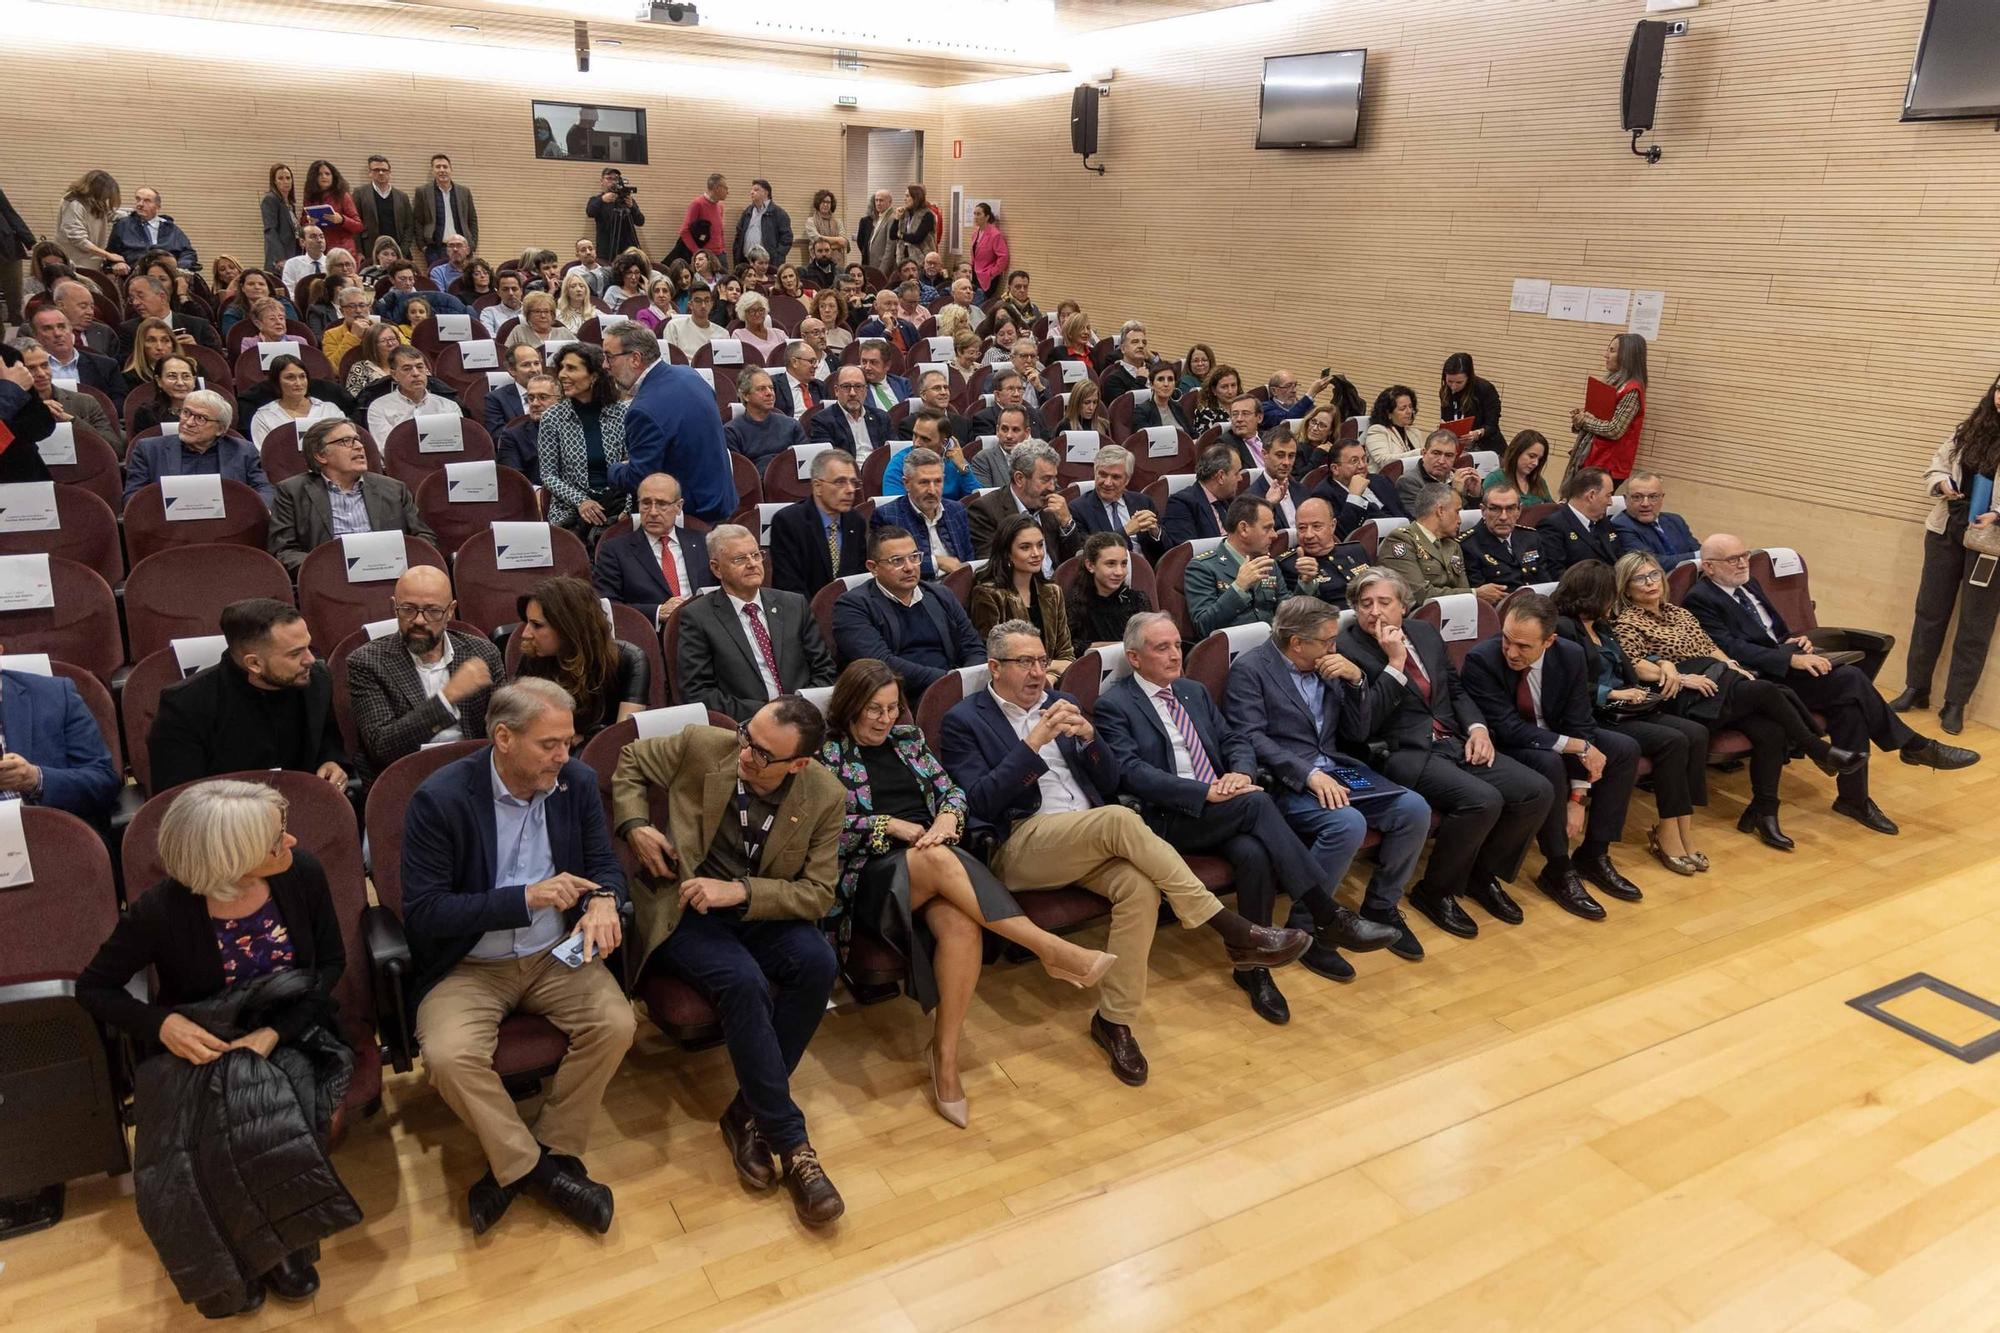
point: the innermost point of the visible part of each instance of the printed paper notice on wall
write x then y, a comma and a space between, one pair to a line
1647, 307
1568, 302
1608, 305
1531, 296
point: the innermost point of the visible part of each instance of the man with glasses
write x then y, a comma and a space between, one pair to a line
336, 495
202, 448
658, 565
1317, 565
1032, 488
423, 684
743, 644
1355, 495
1036, 773
1499, 551
1647, 526
918, 628
850, 421
1733, 607
819, 539
384, 210
518, 446
670, 424
409, 395
728, 898
524, 362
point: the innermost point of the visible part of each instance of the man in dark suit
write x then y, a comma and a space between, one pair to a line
1036, 773
55, 755
1109, 507
1439, 746
147, 228
1436, 466
762, 225
1317, 565
918, 628
1744, 623
1009, 392
303, 512
1534, 690
658, 565
820, 538
743, 644
1031, 489
146, 298
850, 422
888, 324
1195, 778
943, 533
508, 401
1355, 496
266, 704
519, 445
1280, 484
79, 305
1202, 510
506, 859
1241, 436
422, 684
1579, 529
1128, 374
385, 211
70, 360
884, 390
440, 209
934, 393
799, 394
1499, 550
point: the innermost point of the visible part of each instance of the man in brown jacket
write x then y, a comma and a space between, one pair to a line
728, 900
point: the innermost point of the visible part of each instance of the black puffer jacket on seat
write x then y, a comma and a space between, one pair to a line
231, 1172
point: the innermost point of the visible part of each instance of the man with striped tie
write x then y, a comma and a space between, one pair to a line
1195, 777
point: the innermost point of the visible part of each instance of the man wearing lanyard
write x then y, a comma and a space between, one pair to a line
727, 899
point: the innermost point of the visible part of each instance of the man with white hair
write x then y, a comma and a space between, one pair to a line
77, 303
933, 283
888, 323
743, 644
204, 447
147, 228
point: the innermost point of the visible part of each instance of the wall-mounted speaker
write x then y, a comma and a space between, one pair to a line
1083, 119
1642, 73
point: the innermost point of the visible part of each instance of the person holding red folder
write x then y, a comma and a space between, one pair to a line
1609, 424
1468, 406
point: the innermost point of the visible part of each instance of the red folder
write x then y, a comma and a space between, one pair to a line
1461, 427
1600, 399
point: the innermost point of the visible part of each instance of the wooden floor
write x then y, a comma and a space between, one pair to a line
1667, 1120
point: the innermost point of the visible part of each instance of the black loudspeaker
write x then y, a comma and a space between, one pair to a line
1642, 74
1083, 118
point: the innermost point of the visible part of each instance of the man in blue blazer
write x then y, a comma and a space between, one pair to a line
656, 566
887, 323
917, 627
1201, 510
508, 875
1036, 773
509, 401
1109, 507
806, 537
55, 755
1534, 690
671, 425
884, 389
923, 512
1354, 495
1195, 778
843, 422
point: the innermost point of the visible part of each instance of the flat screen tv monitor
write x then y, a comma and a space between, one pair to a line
1311, 101
1957, 71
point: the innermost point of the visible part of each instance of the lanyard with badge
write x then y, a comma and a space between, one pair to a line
751, 850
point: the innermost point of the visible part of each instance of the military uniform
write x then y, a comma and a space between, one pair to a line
1513, 563
1432, 566
1336, 567
1213, 600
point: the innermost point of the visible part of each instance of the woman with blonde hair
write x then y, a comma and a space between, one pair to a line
152, 341
537, 322
575, 308
953, 320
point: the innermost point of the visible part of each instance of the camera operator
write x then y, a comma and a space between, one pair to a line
615, 209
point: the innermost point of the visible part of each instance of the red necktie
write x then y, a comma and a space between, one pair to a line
1524, 698
667, 565
763, 638
1421, 683
896, 336
805, 392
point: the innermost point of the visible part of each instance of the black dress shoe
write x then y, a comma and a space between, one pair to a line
1322, 959
294, 1279
1569, 894
1445, 913
1867, 814
748, 1152
1271, 946
1266, 1001
1407, 946
1127, 1061
1497, 902
1951, 717
1836, 762
1766, 828
488, 1200
1935, 753
575, 1195
212, 1307
1358, 934
814, 1198
1599, 871
1911, 697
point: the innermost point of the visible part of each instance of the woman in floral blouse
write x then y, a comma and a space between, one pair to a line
903, 877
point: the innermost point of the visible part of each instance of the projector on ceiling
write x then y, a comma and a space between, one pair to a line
673, 15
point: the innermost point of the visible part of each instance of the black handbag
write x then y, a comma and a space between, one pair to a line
1707, 707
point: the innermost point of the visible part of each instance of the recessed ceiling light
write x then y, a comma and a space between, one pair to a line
465, 27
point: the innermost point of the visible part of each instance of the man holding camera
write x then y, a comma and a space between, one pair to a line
615, 210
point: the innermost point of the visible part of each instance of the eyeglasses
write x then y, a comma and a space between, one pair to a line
900, 561
1648, 576
411, 611
190, 414
1743, 559
881, 712
757, 752
345, 441
1037, 663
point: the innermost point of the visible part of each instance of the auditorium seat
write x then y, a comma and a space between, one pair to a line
335, 608
404, 459
943, 695
1483, 623
80, 628
785, 478
86, 531
97, 468
180, 593
1170, 581
456, 521
822, 607
248, 372
1090, 673
749, 481
283, 459
244, 522
487, 593
1791, 594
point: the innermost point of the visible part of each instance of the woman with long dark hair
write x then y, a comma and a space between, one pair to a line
1200, 359
1462, 394
281, 217
581, 439
1392, 426
475, 282
1612, 443
1102, 599
1521, 468
1960, 484
1211, 405
565, 638
329, 204
1010, 587
903, 878
253, 286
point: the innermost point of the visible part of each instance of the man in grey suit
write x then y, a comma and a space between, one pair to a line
1031, 488
423, 683
1010, 431
742, 644
337, 496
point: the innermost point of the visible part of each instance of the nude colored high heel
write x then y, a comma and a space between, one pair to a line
1085, 979
957, 1111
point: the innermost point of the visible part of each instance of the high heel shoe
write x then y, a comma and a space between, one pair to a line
1680, 865
1700, 860
1087, 978
956, 1112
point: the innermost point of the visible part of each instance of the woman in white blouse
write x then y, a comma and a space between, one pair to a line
1392, 429
294, 402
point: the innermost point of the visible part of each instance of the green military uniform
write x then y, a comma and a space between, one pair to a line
1215, 602
1432, 566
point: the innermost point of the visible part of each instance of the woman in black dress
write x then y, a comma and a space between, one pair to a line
565, 638
1102, 598
903, 877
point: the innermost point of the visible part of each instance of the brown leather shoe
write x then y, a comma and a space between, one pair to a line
813, 1195
1270, 946
748, 1152
1128, 1062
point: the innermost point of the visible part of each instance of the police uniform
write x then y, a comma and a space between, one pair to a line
1512, 563
1215, 602
1336, 568
1432, 566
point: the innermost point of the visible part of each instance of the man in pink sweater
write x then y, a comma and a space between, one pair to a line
701, 229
